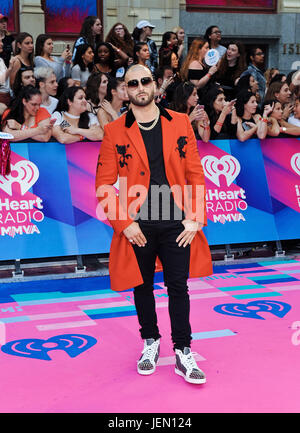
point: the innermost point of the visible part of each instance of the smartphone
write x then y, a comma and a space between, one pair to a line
200, 106
245, 126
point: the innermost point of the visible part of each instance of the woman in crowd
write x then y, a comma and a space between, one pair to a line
7, 40
96, 89
294, 119
213, 37
43, 57
277, 126
26, 119
249, 123
122, 42
281, 91
72, 120
142, 33
180, 37
231, 66
63, 84
248, 82
90, 33
24, 77
193, 68
186, 101
111, 107
269, 74
222, 114
141, 54
4, 79
105, 59
83, 65
24, 54
169, 42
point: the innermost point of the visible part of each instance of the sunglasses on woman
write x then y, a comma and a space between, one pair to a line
134, 84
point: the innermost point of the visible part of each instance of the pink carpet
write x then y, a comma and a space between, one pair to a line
246, 329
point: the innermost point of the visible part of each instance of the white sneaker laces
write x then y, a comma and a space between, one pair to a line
149, 352
189, 361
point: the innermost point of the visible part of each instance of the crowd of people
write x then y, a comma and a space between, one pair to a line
71, 97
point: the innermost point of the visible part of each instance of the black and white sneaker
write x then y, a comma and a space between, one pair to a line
147, 363
187, 367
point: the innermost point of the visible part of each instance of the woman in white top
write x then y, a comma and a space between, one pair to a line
83, 64
72, 120
43, 57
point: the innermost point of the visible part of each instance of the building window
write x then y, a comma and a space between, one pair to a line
232, 5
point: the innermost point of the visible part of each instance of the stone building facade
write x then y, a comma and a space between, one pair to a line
278, 32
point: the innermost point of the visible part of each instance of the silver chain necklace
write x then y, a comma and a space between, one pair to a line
148, 128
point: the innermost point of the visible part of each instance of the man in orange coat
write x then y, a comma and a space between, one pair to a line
157, 215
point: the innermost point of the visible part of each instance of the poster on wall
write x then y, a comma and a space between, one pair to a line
66, 18
9, 8
233, 5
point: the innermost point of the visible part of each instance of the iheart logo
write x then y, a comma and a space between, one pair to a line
295, 163
226, 165
23, 172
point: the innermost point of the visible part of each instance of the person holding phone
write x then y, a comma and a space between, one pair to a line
186, 101
249, 122
221, 113
26, 118
43, 57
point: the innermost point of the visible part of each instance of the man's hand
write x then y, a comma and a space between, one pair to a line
135, 235
187, 235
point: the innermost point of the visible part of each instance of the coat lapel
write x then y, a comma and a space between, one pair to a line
169, 139
137, 141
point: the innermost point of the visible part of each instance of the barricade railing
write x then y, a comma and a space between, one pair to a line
48, 205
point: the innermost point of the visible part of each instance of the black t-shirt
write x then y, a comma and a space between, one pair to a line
156, 207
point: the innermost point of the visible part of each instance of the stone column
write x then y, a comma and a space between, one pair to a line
32, 18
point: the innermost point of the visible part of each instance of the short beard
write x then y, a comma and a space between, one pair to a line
140, 102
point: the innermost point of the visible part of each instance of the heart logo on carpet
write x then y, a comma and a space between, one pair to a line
251, 310
35, 348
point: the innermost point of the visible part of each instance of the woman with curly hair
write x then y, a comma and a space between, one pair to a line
122, 42
105, 59
193, 68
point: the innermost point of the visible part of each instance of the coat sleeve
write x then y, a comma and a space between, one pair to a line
107, 175
195, 179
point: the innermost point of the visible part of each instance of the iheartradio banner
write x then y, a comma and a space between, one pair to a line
48, 204
239, 206
282, 167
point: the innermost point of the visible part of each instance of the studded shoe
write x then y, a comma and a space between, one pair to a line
187, 367
147, 363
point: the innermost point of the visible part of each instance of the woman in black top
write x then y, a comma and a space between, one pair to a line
7, 40
231, 66
222, 114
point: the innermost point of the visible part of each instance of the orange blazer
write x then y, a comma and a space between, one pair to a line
123, 155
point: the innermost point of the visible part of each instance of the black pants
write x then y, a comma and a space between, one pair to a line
161, 242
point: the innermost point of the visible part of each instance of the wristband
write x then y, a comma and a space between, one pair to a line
81, 138
219, 123
208, 75
265, 119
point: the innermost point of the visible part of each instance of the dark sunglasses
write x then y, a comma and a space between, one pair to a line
145, 81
